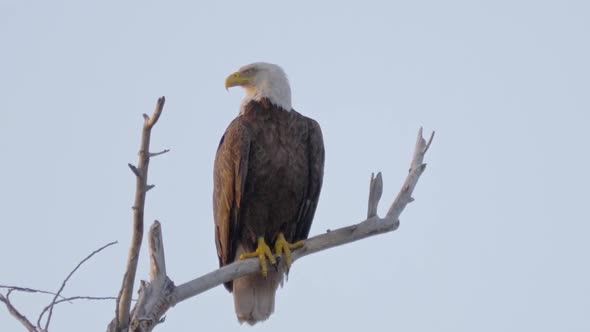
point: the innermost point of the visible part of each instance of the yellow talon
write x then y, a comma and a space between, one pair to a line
281, 245
262, 252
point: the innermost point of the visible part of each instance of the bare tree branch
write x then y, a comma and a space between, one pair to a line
61, 300
155, 154
157, 296
417, 167
49, 307
63, 285
28, 290
375, 192
134, 170
154, 297
73, 298
16, 314
141, 173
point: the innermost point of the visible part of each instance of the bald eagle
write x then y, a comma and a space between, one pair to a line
267, 179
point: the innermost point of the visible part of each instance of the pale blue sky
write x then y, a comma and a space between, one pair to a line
497, 239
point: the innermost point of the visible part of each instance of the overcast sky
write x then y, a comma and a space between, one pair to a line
497, 239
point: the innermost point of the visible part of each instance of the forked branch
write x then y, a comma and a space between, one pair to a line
49, 308
141, 188
63, 285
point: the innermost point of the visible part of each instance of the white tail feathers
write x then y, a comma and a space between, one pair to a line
254, 295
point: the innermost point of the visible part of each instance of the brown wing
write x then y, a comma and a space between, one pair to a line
316, 175
230, 169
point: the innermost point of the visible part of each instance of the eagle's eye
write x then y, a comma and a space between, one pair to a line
248, 71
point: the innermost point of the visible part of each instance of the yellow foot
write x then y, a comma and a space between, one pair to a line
262, 252
283, 246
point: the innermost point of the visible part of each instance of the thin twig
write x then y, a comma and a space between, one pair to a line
63, 285
73, 298
155, 154
429, 142
141, 172
157, 112
134, 170
28, 290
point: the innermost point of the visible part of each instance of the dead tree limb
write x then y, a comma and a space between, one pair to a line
141, 188
28, 290
154, 296
63, 285
62, 299
49, 308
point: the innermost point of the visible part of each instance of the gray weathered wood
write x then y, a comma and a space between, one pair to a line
141, 174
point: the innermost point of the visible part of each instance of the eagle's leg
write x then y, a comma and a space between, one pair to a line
262, 252
281, 245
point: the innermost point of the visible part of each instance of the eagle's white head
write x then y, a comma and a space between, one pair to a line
262, 80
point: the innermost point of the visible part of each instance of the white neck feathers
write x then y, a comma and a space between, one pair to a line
270, 82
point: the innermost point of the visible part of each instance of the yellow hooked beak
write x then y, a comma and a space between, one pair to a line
236, 79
